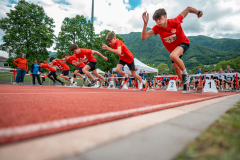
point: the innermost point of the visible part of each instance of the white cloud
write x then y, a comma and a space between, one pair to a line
221, 17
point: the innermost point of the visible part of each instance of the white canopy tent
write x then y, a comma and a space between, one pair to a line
141, 67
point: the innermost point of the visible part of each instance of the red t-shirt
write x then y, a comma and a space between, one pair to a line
173, 35
126, 56
63, 67
47, 68
74, 58
86, 56
172, 78
159, 78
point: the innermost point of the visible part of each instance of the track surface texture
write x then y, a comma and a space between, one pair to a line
31, 111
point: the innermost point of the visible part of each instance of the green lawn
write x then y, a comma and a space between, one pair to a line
221, 141
6, 77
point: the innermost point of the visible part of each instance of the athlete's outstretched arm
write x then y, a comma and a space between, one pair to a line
117, 51
145, 34
97, 53
50, 65
191, 10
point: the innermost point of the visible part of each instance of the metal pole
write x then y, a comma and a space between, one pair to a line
92, 11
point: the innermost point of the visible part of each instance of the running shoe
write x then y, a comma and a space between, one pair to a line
63, 84
145, 86
21, 84
184, 88
93, 82
54, 82
75, 84
14, 83
126, 79
185, 79
71, 80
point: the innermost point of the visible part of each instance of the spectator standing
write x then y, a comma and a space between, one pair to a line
199, 71
229, 69
145, 75
36, 72
106, 77
22, 65
141, 74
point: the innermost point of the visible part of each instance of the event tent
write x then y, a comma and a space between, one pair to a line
140, 66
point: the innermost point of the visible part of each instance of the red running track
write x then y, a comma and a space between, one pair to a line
31, 111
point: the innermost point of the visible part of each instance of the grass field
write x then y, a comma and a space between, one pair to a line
6, 78
221, 141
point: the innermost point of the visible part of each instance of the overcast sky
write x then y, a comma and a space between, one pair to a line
221, 18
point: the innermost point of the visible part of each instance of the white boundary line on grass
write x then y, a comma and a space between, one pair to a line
27, 129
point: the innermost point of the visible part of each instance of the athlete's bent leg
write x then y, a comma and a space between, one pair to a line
85, 71
178, 71
176, 53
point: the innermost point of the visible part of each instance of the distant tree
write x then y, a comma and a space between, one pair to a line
74, 30
234, 64
27, 30
112, 57
162, 68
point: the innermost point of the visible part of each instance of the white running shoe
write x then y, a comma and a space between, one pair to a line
75, 84
21, 84
71, 80
14, 83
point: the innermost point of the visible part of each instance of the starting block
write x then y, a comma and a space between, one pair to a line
187, 89
172, 86
140, 88
111, 85
97, 85
210, 86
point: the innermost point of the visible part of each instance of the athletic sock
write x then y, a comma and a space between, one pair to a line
184, 72
143, 82
125, 75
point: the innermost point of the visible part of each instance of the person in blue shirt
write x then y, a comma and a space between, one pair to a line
145, 74
199, 71
150, 83
142, 75
36, 72
165, 81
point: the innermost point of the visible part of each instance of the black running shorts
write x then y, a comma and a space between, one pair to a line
185, 46
131, 66
65, 72
92, 65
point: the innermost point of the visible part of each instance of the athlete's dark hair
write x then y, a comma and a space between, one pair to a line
170, 73
110, 36
163, 73
205, 71
52, 58
159, 13
213, 70
65, 54
196, 73
41, 61
73, 47
34, 60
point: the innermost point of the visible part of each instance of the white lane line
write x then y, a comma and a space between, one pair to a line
15, 131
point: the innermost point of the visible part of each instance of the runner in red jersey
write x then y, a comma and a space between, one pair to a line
172, 36
125, 58
64, 67
73, 60
52, 72
86, 56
